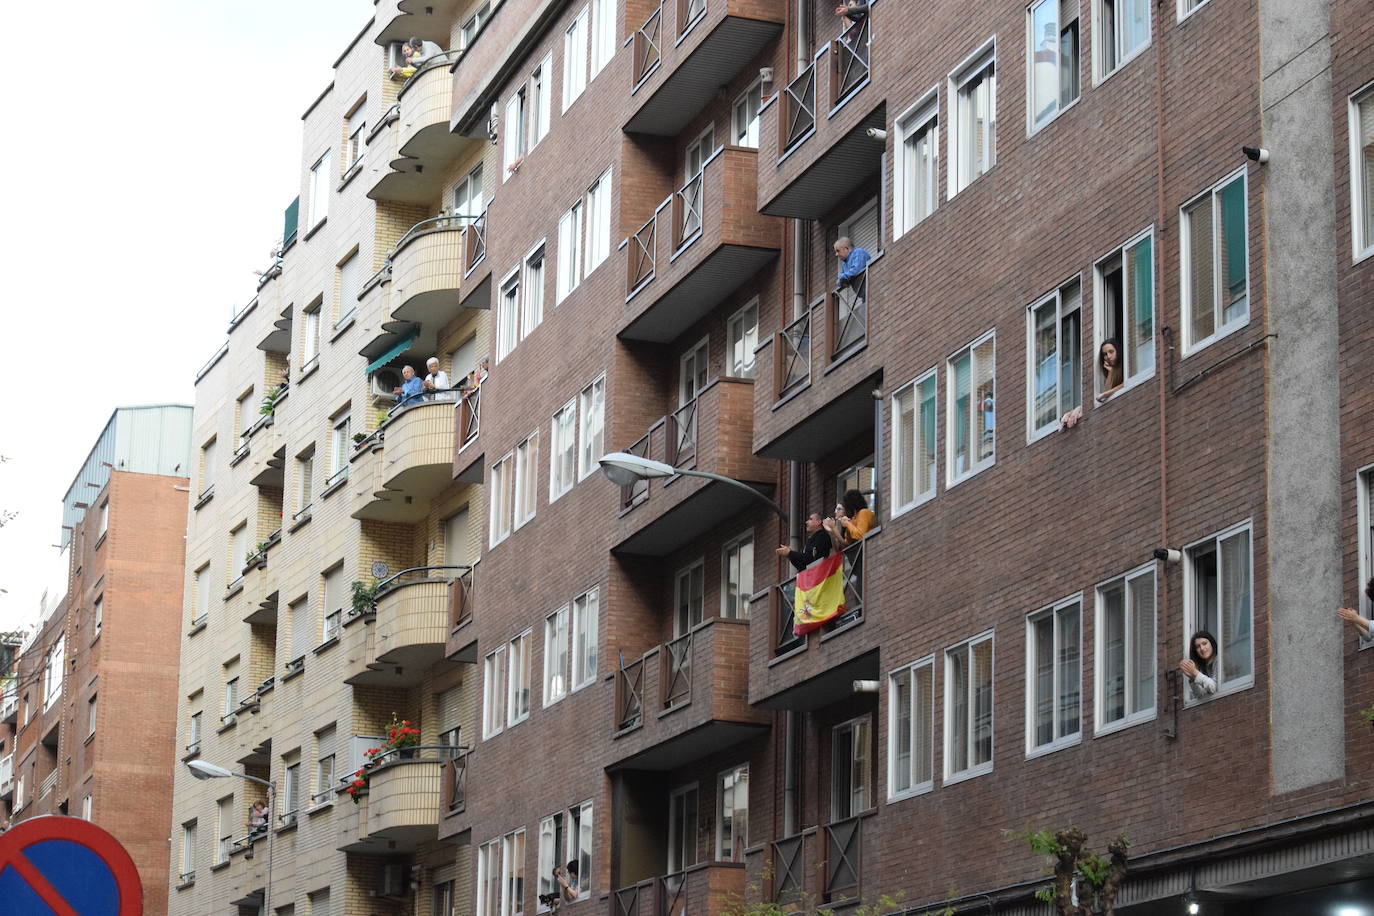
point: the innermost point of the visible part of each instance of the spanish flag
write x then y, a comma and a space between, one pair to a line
820, 594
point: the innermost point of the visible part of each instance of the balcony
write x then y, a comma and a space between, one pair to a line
429, 19
403, 800
461, 643
6, 776
253, 735
700, 246
408, 627
686, 50
685, 699
706, 888
417, 461
819, 864
817, 375
814, 148
426, 267
476, 292
9, 704
713, 432
467, 455
369, 496
809, 671
259, 585
420, 146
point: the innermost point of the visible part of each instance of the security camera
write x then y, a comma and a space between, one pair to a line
863, 686
1256, 154
766, 74
1168, 555
877, 133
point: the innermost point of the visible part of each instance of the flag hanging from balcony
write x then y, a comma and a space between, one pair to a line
820, 594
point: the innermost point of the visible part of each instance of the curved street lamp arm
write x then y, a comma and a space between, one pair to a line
782, 514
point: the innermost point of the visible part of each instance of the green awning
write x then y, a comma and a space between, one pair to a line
401, 346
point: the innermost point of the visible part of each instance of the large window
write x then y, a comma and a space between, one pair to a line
340, 444
224, 829
54, 671
575, 59
1126, 650
540, 100
532, 307
968, 709
508, 315
592, 425
972, 433
914, 422
1054, 675
737, 577
551, 843
502, 499
563, 450
204, 591
1054, 378
744, 116
911, 729
494, 693
1126, 314
321, 183
973, 142
1123, 28
556, 655
569, 252
516, 134
526, 478
1052, 34
310, 349
690, 590
603, 34
501, 875
1362, 172
207, 466
581, 840
468, 197
586, 611
682, 828
1218, 599
851, 768
188, 848
742, 338
349, 281
598, 221
732, 814
1215, 262
324, 766
518, 671
917, 174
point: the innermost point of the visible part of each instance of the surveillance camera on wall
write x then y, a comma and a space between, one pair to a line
1168, 555
877, 133
1256, 154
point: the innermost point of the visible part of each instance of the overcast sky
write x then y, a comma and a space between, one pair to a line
150, 154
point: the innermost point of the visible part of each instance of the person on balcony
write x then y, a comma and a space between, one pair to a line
411, 388
1199, 665
853, 10
853, 263
817, 546
1363, 625
437, 380
414, 52
853, 518
257, 819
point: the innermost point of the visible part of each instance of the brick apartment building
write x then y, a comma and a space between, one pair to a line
91, 727
631, 210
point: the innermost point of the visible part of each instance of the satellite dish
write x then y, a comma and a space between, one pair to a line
380, 570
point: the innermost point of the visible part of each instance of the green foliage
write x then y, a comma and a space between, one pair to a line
269, 401
1368, 715
364, 596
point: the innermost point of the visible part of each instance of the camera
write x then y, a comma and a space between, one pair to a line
548, 900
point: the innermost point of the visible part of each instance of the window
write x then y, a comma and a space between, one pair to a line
90, 716
340, 445
98, 614
697, 152
349, 277
682, 828
54, 671
238, 551
1054, 383
540, 98
305, 479
1217, 598
202, 597
973, 142
319, 903
489, 879
1362, 172
532, 309
324, 765
580, 844
243, 421
737, 574
526, 478
575, 59
1123, 28
968, 709
355, 129
913, 443
224, 829
207, 466
586, 610
1054, 676
231, 696
1215, 262
518, 694
971, 437
457, 540
104, 523
468, 34
911, 729
917, 174
551, 843
188, 848
193, 731
1126, 312
1053, 55
493, 693
502, 499
310, 348
86, 808
441, 899
467, 197
321, 179
592, 411
556, 656
513, 148
291, 788
1185, 7
569, 252
335, 599
1365, 502
1126, 650
692, 372
598, 221
603, 34
850, 768
513, 873
302, 628
508, 316
690, 598
563, 450
732, 814
744, 117
742, 334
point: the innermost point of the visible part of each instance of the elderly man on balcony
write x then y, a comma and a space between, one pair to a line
411, 387
853, 263
437, 380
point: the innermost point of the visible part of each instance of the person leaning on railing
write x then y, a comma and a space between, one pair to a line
853, 518
853, 263
410, 389
854, 10
818, 542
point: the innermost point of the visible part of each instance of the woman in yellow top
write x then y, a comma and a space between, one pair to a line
854, 517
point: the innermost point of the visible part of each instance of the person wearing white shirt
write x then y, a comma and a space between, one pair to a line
1363, 625
1199, 665
437, 380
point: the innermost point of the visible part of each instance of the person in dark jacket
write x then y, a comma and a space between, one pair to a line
817, 544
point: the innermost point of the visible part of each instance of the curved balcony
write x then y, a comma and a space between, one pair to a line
403, 799
700, 246
426, 270
430, 19
365, 479
423, 144
413, 613
418, 459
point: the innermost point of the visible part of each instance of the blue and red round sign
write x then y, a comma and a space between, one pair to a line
66, 866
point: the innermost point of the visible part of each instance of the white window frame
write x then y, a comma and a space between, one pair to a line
188, 846
1122, 252
321, 184
526, 502
518, 678
953, 479
515, 132
340, 444
903, 463
584, 631
568, 269
603, 35
865, 760
575, 57
676, 857
310, 348
580, 820
508, 314
305, 481
557, 654
1060, 106
549, 856
699, 355
730, 547
493, 692
1362, 247
984, 60
724, 854
1100, 70
742, 332
502, 499
1129, 610
746, 134
1068, 739
925, 785
1364, 498
684, 573
1184, 11
1190, 621
978, 769
598, 243
1219, 330
539, 102
1057, 296
532, 289
922, 117
563, 451
591, 427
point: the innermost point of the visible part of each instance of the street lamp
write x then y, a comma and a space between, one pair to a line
203, 769
625, 469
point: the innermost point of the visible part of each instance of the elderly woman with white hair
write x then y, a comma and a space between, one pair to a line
437, 380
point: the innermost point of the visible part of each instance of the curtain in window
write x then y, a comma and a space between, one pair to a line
1236, 626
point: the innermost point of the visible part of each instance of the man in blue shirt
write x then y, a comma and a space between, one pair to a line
411, 386
853, 262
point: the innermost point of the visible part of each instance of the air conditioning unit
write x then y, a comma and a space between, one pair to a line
385, 381
394, 880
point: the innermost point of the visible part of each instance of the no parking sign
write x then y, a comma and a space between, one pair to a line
66, 866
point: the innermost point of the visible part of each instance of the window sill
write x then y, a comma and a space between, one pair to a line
843, 628
293, 672
220, 866
190, 882
924, 788
336, 486
96, 638
301, 522
204, 498
227, 726
1223, 690
197, 626
969, 475
1217, 336
315, 228
325, 646
965, 775
192, 752
911, 506
1055, 746
848, 96
1133, 383
349, 175
1121, 64
845, 355
790, 395
233, 588
1034, 130
319, 806
310, 368
239, 456
286, 828
100, 540
89, 738
1184, 17
1123, 724
343, 324
796, 650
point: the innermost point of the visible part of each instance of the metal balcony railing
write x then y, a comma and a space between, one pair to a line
688, 12
633, 494
687, 207
677, 671
474, 243
848, 311
799, 107
785, 600
456, 780
641, 259
648, 40
794, 351
843, 859
629, 694
789, 869
682, 434
850, 58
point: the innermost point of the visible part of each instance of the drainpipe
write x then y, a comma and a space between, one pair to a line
877, 454
789, 767
802, 47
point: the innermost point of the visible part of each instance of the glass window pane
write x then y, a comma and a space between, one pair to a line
1140, 345
901, 731
1231, 246
982, 701
1068, 677
1142, 590
1200, 286
1236, 624
1044, 37
923, 723
1045, 342
1042, 632
1113, 637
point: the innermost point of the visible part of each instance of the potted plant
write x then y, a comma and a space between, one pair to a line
269, 401
401, 737
364, 597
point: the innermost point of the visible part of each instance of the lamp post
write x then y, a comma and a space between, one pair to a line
624, 469
202, 769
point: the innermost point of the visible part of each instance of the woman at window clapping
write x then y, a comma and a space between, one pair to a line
1199, 666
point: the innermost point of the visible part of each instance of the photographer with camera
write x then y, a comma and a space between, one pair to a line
567, 887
